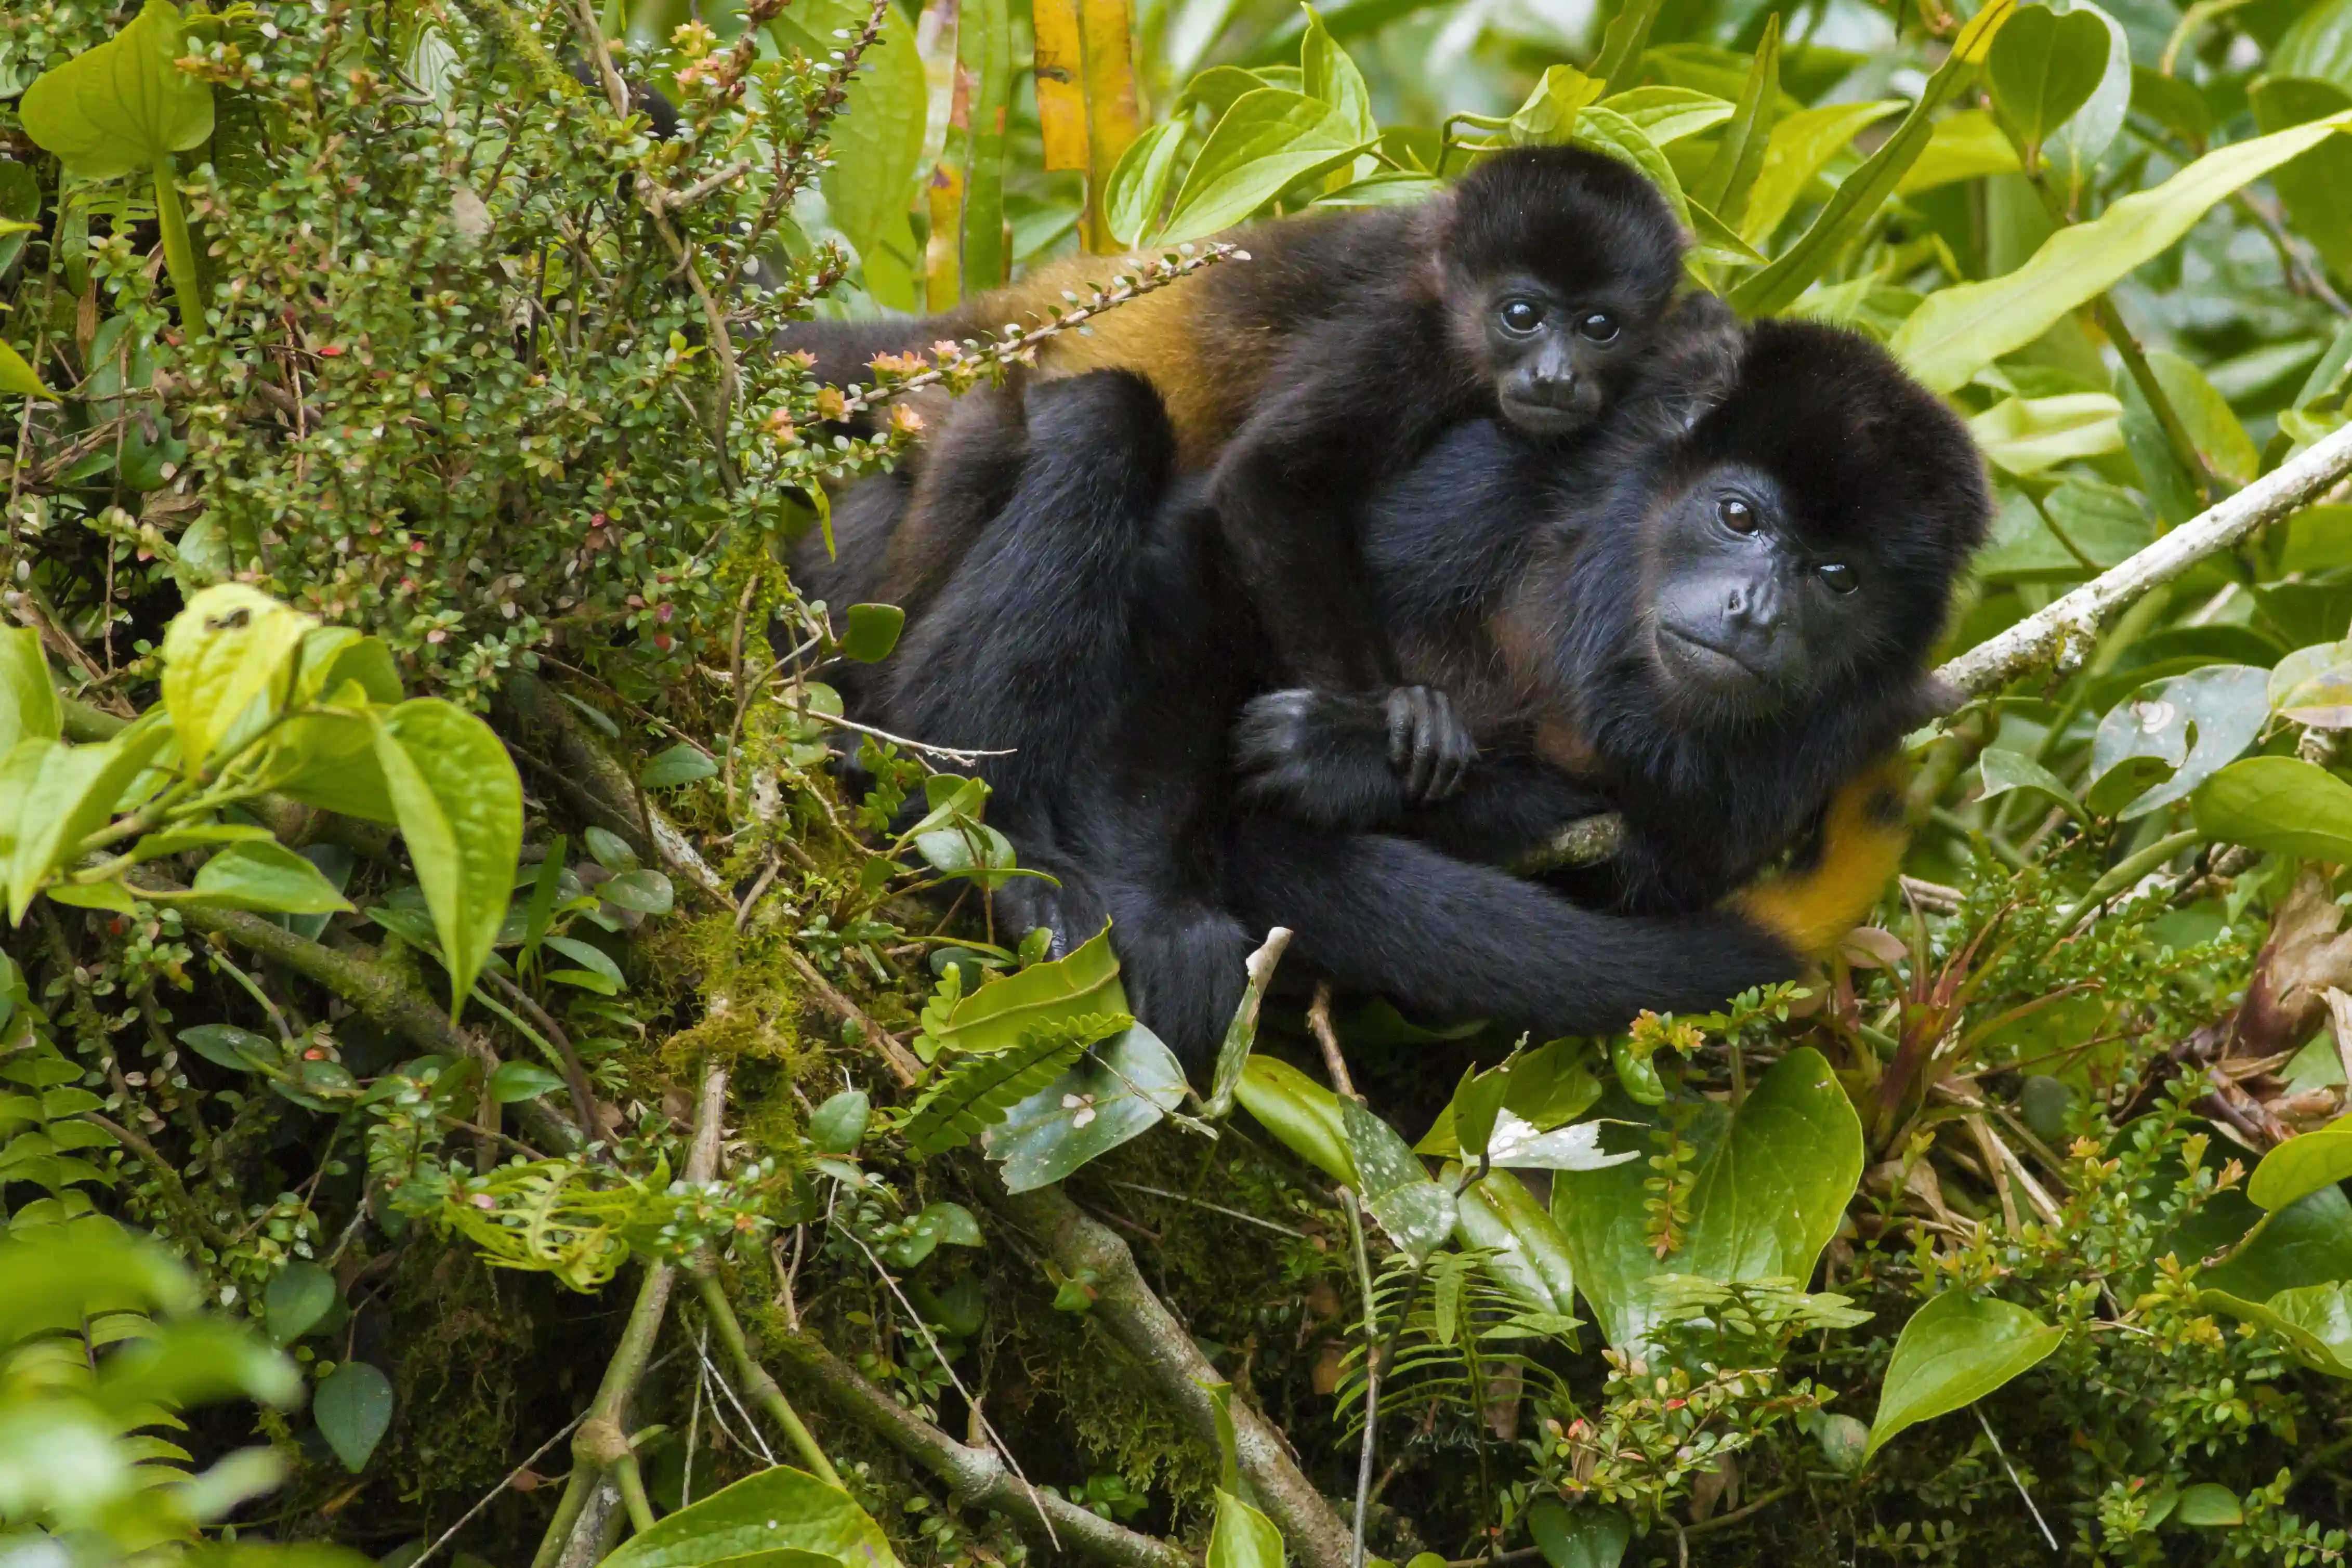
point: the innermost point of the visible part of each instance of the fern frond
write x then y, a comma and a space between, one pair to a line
977, 1091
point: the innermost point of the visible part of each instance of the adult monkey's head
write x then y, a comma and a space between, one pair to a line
1803, 536
1555, 265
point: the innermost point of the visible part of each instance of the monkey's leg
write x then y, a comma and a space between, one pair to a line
1452, 939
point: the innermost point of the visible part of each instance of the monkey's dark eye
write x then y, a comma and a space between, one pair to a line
1522, 316
1839, 576
1599, 326
1736, 515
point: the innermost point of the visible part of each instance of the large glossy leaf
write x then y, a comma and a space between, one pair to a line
1965, 146
2196, 722
1416, 1212
268, 877
54, 796
2279, 804
778, 1518
1958, 331
1771, 1186
2315, 1321
998, 1014
1243, 1536
1801, 145
2044, 67
1268, 140
1528, 1256
1956, 1350
2073, 149
2025, 435
1326, 72
1302, 1114
1116, 1091
977, 1091
1141, 181
2314, 685
353, 1409
28, 695
123, 105
1579, 1538
228, 659
460, 805
2300, 1166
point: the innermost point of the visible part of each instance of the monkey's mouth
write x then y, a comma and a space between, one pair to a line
1692, 656
1545, 419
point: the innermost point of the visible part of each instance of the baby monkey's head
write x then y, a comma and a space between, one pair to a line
1557, 265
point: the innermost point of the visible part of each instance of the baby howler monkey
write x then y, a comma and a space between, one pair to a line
1301, 379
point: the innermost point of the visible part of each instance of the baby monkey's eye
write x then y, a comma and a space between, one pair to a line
1839, 576
1522, 315
1600, 327
1736, 515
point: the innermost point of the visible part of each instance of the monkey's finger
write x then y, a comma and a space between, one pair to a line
1400, 735
1428, 732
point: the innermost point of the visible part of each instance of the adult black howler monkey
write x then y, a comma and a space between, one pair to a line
1713, 625
1298, 379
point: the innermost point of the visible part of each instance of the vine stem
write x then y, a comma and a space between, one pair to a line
762, 1387
1372, 1372
179, 251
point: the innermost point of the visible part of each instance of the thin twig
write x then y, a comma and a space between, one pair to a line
1278, 1230
491, 1496
1371, 1373
1318, 1021
2013, 1479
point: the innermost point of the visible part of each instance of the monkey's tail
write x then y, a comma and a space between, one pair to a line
1813, 903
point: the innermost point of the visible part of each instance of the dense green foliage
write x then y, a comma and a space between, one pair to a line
465, 1066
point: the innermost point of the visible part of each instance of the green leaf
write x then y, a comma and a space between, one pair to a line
2300, 1166
1303, 1115
54, 796
2025, 435
2313, 687
1117, 1091
1965, 146
1269, 140
595, 960
1605, 131
2208, 1505
2004, 771
1240, 1031
2312, 185
2196, 722
460, 804
875, 143
1548, 118
779, 1518
328, 759
2074, 150
1526, 1254
331, 655
1771, 1186
1477, 1101
873, 631
1667, 114
1326, 72
17, 377
1582, 1538
1139, 182
28, 695
1739, 158
225, 1045
641, 891
1243, 1536
268, 877
1958, 331
231, 649
2212, 425
517, 1081
839, 1125
609, 849
2044, 66
2318, 44
2315, 1321
1001, 1013
681, 764
299, 1296
1956, 1350
123, 105
1416, 1212
1628, 34
1799, 148
1863, 192
353, 1409
2283, 805
977, 1091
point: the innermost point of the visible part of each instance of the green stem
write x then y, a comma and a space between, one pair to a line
599, 1447
2168, 418
2125, 873
757, 1383
632, 1482
179, 251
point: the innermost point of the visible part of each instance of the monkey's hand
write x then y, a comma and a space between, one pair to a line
1429, 745
1318, 757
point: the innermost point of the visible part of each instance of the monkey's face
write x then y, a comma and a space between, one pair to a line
1555, 356
1746, 613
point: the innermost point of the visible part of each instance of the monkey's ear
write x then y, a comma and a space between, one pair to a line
1931, 699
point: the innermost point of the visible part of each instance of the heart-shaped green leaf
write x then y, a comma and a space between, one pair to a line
779, 1518
123, 105
873, 631
1956, 1350
2044, 66
354, 1410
